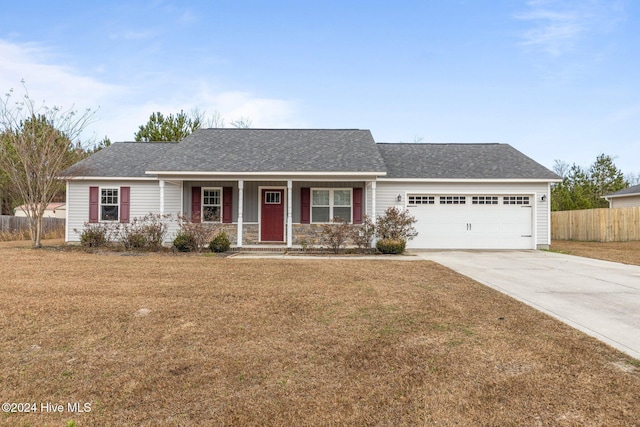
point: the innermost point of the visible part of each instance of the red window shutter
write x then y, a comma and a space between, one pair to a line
125, 196
196, 205
93, 204
227, 204
357, 205
305, 205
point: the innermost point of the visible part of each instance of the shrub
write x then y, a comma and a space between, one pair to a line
154, 229
220, 243
147, 232
363, 234
335, 234
396, 224
95, 235
391, 246
184, 242
201, 233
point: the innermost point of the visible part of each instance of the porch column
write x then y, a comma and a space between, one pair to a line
240, 207
289, 213
162, 197
373, 208
373, 201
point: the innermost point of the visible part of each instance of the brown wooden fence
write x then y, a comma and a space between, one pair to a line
599, 225
10, 224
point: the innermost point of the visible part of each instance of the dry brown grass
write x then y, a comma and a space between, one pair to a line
10, 236
291, 342
625, 252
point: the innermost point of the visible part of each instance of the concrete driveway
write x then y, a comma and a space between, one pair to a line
600, 298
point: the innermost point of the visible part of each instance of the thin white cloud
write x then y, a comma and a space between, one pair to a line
50, 83
262, 112
122, 108
557, 26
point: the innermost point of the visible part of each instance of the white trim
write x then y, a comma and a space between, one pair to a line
240, 212
119, 202
111, 178
289, 218
548, 215
282, 173
161, 185
373, 202
220, 189
66, 213
621, 195
464, 180
331, 202
271, 187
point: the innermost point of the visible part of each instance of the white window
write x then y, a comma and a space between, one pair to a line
211, 204
419, 199
484, 200
109, 204
272, 197
516, 200
327, 204
453, 200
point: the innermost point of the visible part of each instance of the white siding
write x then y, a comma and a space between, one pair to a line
145, 198
387, 193
625, 202
172, 205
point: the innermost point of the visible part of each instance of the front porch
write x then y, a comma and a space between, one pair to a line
278, 213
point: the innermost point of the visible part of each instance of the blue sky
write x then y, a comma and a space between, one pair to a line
557, 79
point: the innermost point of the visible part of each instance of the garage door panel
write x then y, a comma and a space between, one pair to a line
473, 226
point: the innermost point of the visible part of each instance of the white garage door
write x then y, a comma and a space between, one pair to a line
472, 221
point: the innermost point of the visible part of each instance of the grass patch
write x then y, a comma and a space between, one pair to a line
624, 252
173, 340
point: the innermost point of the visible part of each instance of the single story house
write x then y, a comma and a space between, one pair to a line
627, 197
277, 186
53, 210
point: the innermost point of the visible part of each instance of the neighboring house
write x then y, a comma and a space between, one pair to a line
53, 210
278, 186
625, 198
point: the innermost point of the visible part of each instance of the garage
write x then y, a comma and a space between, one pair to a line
472, 221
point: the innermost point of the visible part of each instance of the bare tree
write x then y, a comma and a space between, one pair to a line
37, 143
242, 123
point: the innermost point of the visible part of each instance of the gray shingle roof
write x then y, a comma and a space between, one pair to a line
121, 159
460, 161
308, 150
629, 191
273, 150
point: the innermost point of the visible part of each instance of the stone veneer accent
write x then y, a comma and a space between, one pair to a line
310, 234
250, 234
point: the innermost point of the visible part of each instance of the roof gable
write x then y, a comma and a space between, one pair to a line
634, 190
460, 161
273, 150
121, 159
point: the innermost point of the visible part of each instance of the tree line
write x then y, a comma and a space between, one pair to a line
584, 188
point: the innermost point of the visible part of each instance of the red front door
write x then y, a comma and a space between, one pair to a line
272, 216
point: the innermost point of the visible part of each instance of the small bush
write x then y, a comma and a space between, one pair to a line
396, 224
136, 240
335, 234
363, 234
147, 232
391, 246
200, 232
185, 242
220, 243
95, 235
